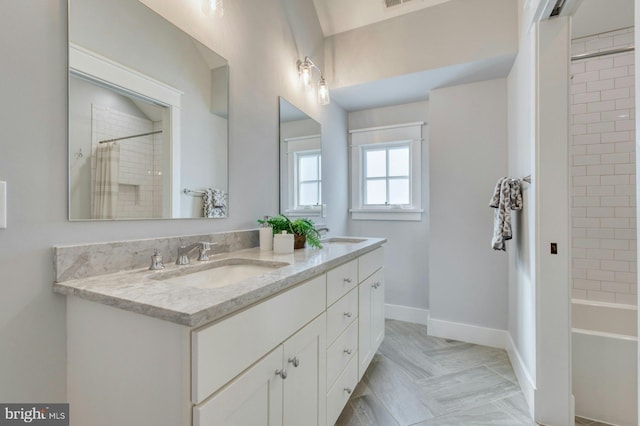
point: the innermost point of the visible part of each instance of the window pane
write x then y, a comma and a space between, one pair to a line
308, 194
308, 167
376, 163
399, 161
399, 191
376, 192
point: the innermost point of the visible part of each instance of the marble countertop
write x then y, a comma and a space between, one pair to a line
138, 291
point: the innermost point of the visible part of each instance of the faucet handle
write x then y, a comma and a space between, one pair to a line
156, 261
203, 249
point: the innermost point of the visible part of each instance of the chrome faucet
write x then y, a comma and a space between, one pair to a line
322, 228
183, 252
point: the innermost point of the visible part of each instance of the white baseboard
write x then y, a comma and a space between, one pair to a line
406, 313
522, 373
467, 333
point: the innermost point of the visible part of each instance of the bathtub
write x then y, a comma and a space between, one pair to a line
604, 363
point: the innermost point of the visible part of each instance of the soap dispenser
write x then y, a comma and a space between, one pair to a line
283, 243
266, 235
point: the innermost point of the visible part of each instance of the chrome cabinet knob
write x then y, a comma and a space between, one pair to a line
282, 373
347, 351
375, 285
348, 390
347, 280
348, 314
295, 361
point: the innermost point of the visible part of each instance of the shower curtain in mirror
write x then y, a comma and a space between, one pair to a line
105, 182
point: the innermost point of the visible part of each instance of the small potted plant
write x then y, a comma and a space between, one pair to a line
302, 229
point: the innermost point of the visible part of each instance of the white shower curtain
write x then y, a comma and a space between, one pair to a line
105, 185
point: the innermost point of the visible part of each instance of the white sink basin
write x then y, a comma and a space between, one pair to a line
218, 274
343, 240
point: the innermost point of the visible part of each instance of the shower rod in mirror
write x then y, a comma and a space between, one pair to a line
131, 137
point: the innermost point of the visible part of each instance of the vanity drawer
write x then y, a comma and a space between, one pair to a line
341, 352
341, 314
339, 394
221, 351
369, 263
340, 280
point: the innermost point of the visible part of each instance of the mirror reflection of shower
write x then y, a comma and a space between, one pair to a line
125, 166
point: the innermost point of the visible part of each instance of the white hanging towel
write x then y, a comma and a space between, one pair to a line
507, 196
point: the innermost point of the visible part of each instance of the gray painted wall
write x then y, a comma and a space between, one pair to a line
33, 161
406, 251
467, 279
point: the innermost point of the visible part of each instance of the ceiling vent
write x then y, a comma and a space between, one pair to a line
391, 3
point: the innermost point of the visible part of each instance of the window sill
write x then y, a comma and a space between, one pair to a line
387, 214
304, 212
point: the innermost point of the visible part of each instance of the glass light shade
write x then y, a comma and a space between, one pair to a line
213, 8
323, 92
305, 75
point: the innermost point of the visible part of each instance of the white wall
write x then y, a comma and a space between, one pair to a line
468, 154
553, 403
455, 32
406, 252
33, 45
522, 296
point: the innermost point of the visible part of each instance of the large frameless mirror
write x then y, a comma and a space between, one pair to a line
300, 162
148, 117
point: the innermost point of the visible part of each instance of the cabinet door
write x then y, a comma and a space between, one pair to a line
305, 387
370, 319
377, 309
252, 399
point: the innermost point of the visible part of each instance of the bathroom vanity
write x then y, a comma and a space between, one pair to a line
284, 343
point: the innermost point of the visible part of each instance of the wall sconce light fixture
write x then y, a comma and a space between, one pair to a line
213, 8
305, 73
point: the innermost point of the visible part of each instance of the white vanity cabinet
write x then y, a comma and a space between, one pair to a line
342, 337
291, 376
292, 358
286, 387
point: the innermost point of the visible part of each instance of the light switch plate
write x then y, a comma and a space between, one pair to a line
3, 205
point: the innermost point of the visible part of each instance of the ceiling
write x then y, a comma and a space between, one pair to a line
337, 16
416, 86
598, 16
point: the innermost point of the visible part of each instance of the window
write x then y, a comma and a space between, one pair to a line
301, 176
386, 172
387, 175
308, 179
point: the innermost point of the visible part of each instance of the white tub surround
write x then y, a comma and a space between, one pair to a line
604, 362
288, 346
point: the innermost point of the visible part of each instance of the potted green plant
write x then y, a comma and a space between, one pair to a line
302, 229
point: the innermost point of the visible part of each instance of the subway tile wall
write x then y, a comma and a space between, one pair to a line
603, 169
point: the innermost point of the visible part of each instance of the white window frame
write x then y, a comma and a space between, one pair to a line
408, 134
295, 146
